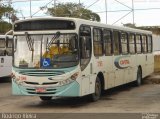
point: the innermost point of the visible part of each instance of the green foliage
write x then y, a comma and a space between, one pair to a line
4, 27
73, 10
4, 9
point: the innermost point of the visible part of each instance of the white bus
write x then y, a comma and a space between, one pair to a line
5, 55
69, 57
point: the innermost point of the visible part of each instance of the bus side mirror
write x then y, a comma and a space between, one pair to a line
15, 44
5, 52
7, 41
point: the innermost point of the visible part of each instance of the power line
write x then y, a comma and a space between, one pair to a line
20, 1
92, 4
129, 10
43, 6
122, 17
123, 4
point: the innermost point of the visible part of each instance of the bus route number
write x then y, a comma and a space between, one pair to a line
100, 63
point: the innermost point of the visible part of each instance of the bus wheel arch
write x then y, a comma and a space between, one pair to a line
99, 86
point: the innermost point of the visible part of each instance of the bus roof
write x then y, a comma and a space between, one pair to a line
87, 22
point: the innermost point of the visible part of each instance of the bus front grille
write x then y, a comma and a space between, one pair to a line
41, 73
46, 93
33, 91
36, 83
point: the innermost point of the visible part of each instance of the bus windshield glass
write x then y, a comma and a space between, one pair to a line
46, 51
2, 46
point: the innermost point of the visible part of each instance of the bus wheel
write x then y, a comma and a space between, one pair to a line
45, 98
139, 77
95, 96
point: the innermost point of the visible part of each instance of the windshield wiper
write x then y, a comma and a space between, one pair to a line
57, 35
30, 41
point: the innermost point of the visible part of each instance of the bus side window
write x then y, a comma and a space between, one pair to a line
138, 43
116, 42
9, 43
2, 47
85, 45
149, 44
132, 47
107, 37
124, 42
144, 43
98, 42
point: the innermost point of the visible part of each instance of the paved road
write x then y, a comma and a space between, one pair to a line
128, 98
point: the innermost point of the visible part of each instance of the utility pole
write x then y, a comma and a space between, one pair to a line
30, 9
55, 8
133, 11
54, 3
106, 10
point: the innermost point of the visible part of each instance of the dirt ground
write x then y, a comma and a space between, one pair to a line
124, 99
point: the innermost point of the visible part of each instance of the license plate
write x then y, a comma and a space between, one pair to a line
40, 90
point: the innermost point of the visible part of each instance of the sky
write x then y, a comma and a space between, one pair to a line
141, 17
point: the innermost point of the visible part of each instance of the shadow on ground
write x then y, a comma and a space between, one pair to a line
5, 79
79, 102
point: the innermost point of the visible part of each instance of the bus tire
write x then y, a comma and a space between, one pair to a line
139, 77
98, 89
45, 98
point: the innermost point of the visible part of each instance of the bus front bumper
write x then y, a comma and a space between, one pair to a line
69, 90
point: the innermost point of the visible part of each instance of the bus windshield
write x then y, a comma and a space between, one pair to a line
2, 46
46, 51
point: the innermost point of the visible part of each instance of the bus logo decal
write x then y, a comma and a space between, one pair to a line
122, 62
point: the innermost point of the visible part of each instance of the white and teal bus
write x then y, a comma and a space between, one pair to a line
6, 55
70, 57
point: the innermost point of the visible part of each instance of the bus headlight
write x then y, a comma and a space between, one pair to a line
74, 76
69, 80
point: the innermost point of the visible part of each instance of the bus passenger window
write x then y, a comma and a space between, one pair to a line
144, 43
107, 37
2, 47
116, 43
9, 43
124, 43
149, 44
98, 42
85, 45
131, 43
138, 43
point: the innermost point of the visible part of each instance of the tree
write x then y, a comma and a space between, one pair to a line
73, 10
4, 27
5, 9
